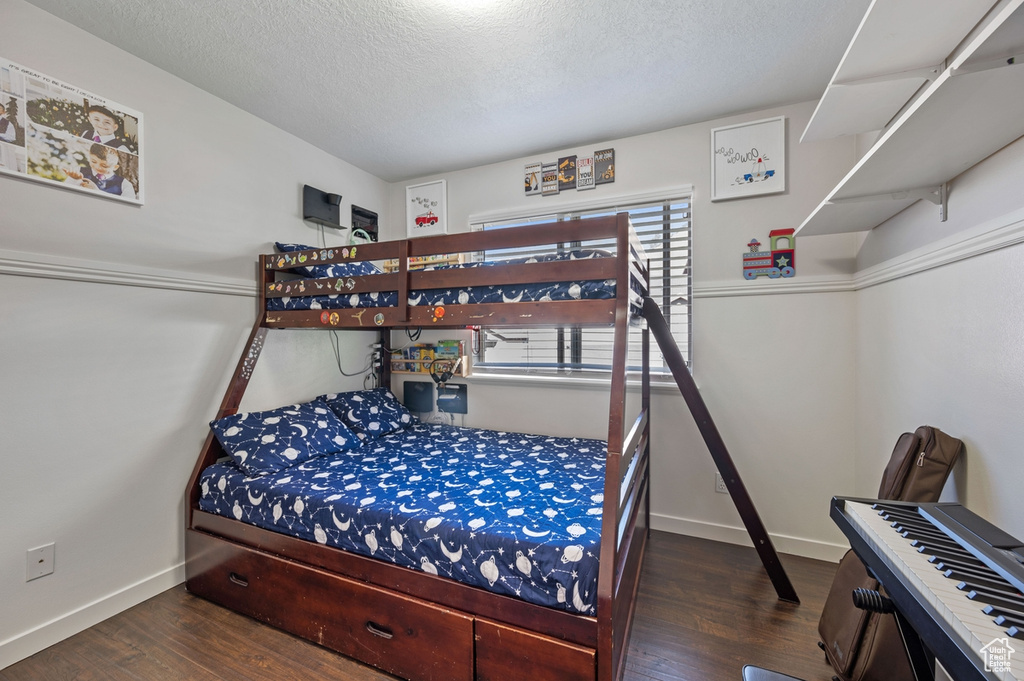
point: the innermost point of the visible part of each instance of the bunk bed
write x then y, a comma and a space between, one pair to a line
404, 614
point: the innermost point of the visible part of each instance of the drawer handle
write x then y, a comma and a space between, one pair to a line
378, 630
238, 579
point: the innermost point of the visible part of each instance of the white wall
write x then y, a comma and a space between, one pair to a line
774, 359
944, 345
114, 352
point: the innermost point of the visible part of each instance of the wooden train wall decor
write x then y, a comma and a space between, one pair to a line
779, 262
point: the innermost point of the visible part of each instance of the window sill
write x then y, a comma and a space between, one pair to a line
659, 383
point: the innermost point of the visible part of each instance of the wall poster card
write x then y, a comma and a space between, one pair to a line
57, 133
584, 172
604, 166
549, 178
532, 184
566, 173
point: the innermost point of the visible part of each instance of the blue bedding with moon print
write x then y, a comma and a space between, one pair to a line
504, 293
515, 514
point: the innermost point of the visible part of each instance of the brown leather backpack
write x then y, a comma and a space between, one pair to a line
866, 646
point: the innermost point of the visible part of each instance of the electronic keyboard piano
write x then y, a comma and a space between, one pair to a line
955, 578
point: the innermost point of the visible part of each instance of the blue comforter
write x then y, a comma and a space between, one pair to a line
511, 513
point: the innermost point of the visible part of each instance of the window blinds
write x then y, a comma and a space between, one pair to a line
664, 230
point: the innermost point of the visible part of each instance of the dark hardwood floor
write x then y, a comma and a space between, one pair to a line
705, 609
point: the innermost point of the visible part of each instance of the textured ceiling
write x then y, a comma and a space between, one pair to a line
406, 88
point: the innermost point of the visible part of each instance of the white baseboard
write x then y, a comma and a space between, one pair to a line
808, 548
45, 635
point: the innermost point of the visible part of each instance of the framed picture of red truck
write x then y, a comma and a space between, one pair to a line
426, 209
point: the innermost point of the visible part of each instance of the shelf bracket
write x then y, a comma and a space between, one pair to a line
986, 65
936, 195
925, 73
942, 201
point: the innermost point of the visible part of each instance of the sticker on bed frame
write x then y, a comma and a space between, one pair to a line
299, 287
438, 313
775, 263
378, 319
250, 359
332, 318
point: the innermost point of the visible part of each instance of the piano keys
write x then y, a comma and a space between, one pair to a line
957, 579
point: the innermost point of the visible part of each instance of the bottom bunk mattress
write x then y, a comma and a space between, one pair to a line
512, 513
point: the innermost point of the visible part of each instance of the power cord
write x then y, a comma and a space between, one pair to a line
336, 346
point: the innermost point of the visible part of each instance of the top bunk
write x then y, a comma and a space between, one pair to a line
588, 272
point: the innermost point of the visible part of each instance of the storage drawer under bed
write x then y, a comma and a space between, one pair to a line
505, 653
401, 635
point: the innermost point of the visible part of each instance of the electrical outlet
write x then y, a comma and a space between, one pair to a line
39, 562
720, 484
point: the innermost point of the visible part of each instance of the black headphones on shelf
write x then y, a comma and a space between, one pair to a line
442, 370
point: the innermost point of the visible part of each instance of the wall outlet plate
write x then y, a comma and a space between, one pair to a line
720, 484
39, 562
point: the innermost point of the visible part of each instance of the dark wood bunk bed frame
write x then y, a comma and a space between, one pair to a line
416, 625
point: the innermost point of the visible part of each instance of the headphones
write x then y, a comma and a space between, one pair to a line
442, 370
359, 236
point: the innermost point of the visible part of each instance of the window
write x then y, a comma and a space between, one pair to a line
664, 229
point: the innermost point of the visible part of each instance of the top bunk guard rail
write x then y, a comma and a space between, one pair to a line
588, 229
628, 265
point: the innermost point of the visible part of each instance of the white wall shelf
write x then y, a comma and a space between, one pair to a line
899, 46
966, 113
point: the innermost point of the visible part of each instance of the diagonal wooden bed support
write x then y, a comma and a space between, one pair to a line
755, 528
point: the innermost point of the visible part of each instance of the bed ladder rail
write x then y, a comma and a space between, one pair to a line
751, 520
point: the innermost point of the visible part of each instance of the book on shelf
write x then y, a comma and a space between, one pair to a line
426, 355
449, 349
417, 358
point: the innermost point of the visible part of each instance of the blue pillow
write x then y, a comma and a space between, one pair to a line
263, 442
370, 413
338, 269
